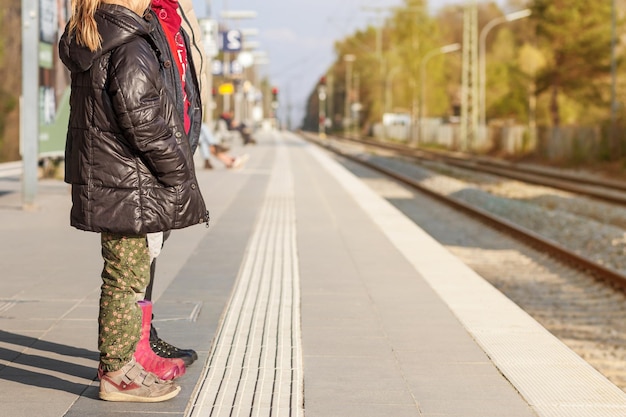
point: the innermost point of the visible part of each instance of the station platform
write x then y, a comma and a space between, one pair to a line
307, 295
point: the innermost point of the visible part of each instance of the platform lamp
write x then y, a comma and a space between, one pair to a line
245, 58
237, 15
260, 59
209, 31
482, 56
438, 51
321, 96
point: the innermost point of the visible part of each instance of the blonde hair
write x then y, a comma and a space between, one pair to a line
83, 23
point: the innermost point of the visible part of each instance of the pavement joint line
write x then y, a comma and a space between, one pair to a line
7, 306
191, 317
255, 366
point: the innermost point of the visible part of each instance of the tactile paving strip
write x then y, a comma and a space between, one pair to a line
255, 367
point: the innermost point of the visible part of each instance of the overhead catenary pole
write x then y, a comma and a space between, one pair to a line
613, 140
321, 96
330, 109
356, 106
469, 79
29, 101
349, 59
379, 47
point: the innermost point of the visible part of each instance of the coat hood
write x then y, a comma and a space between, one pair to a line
117, 25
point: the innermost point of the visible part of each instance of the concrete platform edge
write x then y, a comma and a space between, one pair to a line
518, 346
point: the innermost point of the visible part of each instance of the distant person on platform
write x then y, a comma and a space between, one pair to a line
246, 135
210, 144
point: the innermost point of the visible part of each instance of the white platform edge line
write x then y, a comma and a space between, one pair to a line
574, 384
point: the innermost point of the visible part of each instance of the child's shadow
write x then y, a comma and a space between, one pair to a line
23, 368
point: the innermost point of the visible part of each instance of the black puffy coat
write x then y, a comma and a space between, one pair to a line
127, 155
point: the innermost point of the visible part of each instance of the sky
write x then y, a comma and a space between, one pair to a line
298, 38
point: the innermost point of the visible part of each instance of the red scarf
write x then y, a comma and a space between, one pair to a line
170, 21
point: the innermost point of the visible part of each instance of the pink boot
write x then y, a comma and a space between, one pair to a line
164, 368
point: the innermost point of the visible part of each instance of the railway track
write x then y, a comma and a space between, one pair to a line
550, 282
604, 189
598, 270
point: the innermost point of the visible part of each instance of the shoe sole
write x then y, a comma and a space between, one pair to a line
124, 397
188, 359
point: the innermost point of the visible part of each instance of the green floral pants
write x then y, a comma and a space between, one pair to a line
125, 275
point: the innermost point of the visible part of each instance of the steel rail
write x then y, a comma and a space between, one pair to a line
600, 272
562, 181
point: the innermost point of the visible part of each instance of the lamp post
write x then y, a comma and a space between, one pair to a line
235, 15
388, 90
388, 98
442, 50
349, 59
29, 103
482, 56
321, 95
209, 39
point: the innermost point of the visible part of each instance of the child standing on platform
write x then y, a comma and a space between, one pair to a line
130, 165
183, 65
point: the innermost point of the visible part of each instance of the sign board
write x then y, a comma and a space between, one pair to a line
209, 37
52, 133
54, 90
217, 68
231, 41
226, 68
226, 89
236, 68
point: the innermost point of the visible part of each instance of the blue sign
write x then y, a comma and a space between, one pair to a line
231, 41
217, 67
226, 68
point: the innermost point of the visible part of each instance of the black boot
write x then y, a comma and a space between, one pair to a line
161, 347
165, 350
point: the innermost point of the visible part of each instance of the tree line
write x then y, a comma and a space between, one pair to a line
559, 66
